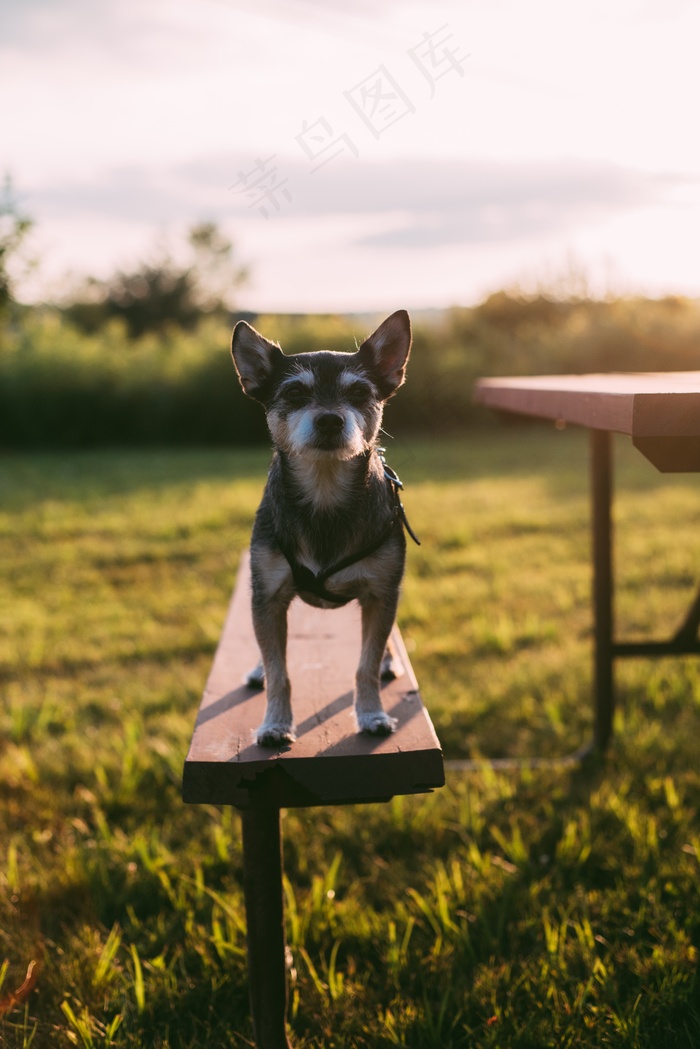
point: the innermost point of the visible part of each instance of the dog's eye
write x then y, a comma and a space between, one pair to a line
358, 393
296, 392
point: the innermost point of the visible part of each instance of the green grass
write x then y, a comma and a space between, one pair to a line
513, 910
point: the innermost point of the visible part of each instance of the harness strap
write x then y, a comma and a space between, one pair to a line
397, 485
312, 583
307, 580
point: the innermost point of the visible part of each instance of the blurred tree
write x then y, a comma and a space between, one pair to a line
510, 313
161, 294
214, 270
14, 228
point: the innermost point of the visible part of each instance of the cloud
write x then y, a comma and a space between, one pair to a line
35, 24
142, 32
415, 203
428, 203
131, 195
473, 203
126, 32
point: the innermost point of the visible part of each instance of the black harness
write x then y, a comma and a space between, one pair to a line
309, 582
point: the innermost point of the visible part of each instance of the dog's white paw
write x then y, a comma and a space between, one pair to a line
376, 723
274, 734
256, 677
391, 667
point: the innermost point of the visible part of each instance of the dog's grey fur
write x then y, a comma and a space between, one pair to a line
326, 499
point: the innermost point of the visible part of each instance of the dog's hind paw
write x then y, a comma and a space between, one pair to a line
274, 734
391, 667
256, 677
376, 723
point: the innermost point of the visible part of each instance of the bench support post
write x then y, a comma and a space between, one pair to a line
262, 883
601, 491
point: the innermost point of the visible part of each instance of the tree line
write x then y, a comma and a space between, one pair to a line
143, 357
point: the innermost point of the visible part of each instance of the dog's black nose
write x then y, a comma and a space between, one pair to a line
329, 423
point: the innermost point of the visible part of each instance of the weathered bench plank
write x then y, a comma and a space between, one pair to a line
330, 763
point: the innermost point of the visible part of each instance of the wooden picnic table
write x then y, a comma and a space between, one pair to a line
660, 411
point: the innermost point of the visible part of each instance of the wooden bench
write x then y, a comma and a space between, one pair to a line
329, 764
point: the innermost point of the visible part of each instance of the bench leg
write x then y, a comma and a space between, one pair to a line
262, 883
601, 492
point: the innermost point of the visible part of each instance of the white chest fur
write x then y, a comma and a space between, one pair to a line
323, 483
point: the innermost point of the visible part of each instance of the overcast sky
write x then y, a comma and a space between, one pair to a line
362, 155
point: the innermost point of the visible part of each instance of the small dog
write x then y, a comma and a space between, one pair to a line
330, 524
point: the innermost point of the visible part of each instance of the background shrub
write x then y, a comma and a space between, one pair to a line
60, 386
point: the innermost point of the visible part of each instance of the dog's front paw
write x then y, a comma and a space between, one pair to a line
376, 723
274, 734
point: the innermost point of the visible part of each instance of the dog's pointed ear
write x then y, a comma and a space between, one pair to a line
255, 358
385, 353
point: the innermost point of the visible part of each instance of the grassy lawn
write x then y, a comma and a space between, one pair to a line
527, 908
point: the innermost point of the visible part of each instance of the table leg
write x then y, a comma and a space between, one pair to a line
262, 883
601, 498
